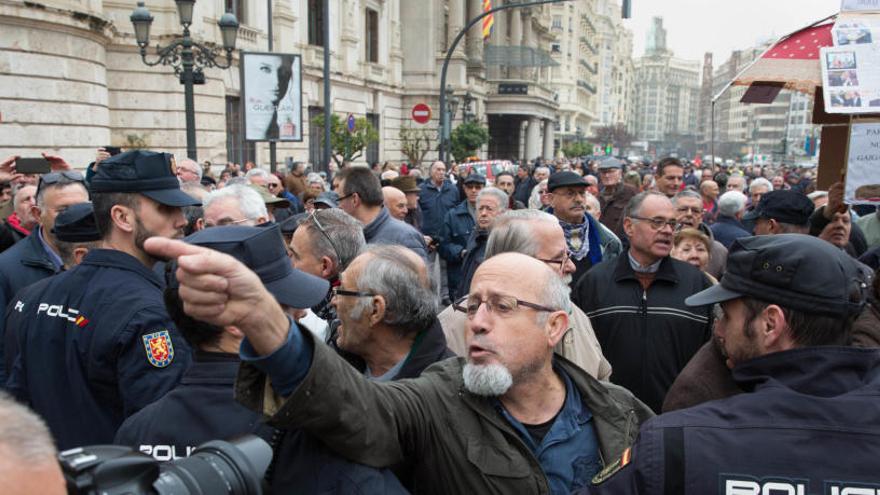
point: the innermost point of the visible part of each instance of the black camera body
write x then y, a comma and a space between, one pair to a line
236, 467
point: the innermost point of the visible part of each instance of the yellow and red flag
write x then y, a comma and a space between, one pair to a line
489, 20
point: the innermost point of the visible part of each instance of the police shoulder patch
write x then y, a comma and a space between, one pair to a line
160, 350
614, 467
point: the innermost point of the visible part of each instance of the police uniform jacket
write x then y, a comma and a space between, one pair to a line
95, 347
648, 335
810, 424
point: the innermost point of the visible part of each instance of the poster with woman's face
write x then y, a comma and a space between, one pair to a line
272, 95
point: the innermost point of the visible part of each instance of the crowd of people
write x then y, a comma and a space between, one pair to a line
588, 326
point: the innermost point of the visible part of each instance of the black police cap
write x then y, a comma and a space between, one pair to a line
77, 224
565, 179
796, 271
149, 173
262, 250
786, 207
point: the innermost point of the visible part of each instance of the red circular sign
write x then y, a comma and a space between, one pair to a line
421, 113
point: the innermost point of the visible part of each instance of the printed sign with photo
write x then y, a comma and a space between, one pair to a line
272, 96
851, 78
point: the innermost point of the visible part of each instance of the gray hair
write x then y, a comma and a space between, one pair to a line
17, 190
344, 230
594, 202
535, 196
23, 435
731, 203
410, 304
315, 177
761, 182
542, 169
500, 195
816, 195
256, 172
634, 207
687, 193
556, 295
250, 203
512, 232
237, 181
189, 161
62, 182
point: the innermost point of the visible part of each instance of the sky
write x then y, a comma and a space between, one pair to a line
694, 27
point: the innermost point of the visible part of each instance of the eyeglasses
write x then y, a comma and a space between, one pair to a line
561, 262
352, 293
272, 185
657, 223
225, 222
573, 193
692, 209
314, 218
503, 306
56, 177
339, 200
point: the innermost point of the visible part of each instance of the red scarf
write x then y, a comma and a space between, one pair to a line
15, 223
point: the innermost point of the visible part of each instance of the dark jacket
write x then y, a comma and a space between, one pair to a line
810, 420
457, 227
476, 252
706, 377
717, 254
728, 229
385, 229
10, 234
523, 189
648, 336
434, 203
459, 442
98, 340
612, 207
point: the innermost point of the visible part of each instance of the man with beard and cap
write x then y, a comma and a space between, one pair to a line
512, 418
636, 303
808, 419
689, 214
97, 344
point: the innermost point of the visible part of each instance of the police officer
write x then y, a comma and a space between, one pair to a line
202, 406
96, 343
75, 234
783, 319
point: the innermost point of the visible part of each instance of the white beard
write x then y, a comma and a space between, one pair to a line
487, 380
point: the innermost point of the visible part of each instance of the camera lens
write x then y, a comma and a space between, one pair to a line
218, 467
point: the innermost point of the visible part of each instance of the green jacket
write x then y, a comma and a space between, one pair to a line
458, 442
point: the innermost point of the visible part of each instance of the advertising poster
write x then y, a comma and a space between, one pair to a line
863, 165
272, 96
851, 78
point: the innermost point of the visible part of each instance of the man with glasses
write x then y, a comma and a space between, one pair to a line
97, 344
614, 195
276, 187
537, 234
689, 214
237, 204
36, 257
189, 170
511, 418
636, 303
589, 242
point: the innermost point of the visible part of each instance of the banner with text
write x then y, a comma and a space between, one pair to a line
863, 165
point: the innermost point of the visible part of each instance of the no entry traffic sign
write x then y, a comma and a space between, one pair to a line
421, 113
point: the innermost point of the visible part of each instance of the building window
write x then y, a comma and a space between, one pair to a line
316, 22
371, 36
555, 48
237, 8
237, 149
557, 22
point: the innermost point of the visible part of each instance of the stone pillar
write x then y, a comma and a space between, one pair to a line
549, 135
516, 31
475, 35
456, 22
499, 32
533, 138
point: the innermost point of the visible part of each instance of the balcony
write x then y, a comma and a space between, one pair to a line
587, 86
594, 69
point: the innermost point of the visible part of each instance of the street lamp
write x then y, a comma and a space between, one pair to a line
451, 108
187, 57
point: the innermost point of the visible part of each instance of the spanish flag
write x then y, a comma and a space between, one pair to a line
489, 20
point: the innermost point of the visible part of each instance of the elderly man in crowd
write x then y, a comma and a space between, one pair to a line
588, 241
395, 202
728, 225
636, 303
28, 459
438, 196
189, 171
736, 182
531, 421
411, 189
361, 197
458, 224
491, 202
20, 222
537, 234
783, 212
689, 214
709, 193
234, 205
614, 195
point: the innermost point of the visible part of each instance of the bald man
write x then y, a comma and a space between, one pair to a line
395, 202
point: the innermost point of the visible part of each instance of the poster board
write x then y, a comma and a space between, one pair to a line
271, 89
862, 186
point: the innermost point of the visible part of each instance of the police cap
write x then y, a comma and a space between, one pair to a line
77, 224
145, 172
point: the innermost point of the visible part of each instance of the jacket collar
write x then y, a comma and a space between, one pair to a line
428, 348
371, 228
211, 368
623, 270
34, 254
117, 259
818, 371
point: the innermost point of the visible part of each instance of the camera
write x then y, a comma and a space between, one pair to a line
236, 467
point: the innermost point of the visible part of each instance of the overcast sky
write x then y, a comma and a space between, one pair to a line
694, 27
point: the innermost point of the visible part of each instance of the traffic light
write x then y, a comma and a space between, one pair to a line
608, 149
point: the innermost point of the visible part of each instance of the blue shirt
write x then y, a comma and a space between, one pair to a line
569, 452
56, 260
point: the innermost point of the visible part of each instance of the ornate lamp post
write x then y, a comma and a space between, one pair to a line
187, 57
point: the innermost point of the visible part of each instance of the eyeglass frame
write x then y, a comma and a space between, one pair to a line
457, 305
226, 224
338, 291
566, 256
652, 221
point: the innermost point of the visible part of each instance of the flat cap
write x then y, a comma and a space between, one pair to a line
145, 172
406, 183
786, 207
565, 179
77, 224
475, 179
795, 271
327, 198
609, 162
